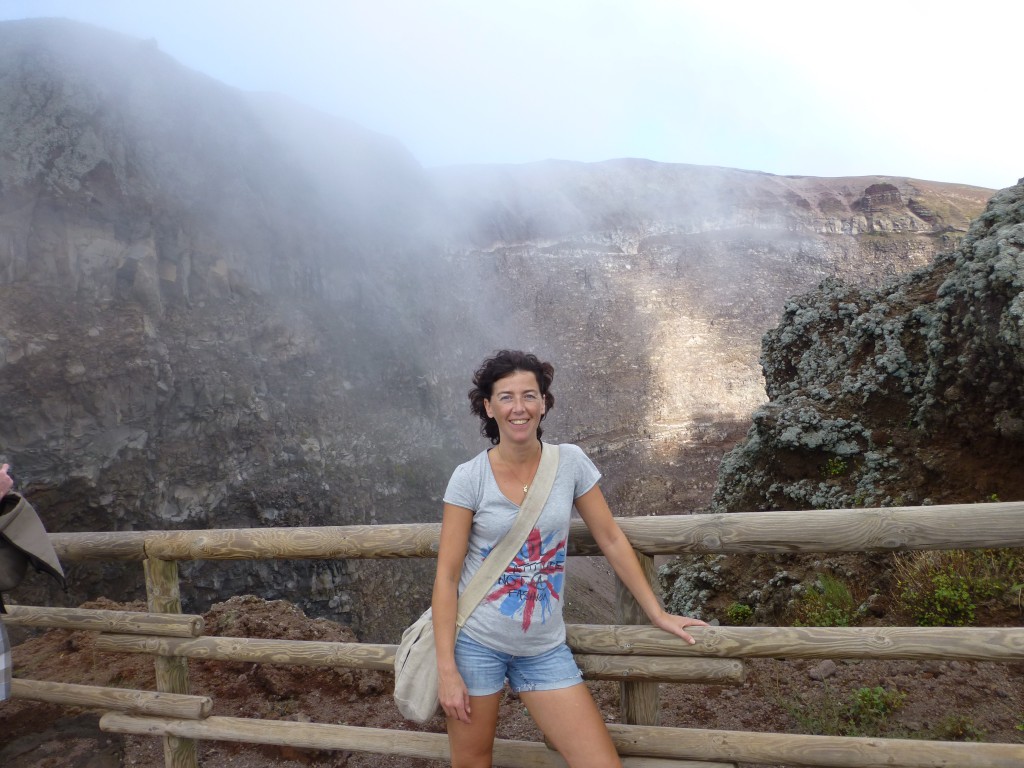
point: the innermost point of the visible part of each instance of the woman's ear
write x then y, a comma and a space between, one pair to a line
487, 408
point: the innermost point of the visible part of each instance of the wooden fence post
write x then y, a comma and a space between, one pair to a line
163, 596
639, 701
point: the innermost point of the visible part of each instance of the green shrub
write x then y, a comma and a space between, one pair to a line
945, 603
956, 727
943, 589
828, 603
834, 467
870, 706
739, 614
822, 717
865, 712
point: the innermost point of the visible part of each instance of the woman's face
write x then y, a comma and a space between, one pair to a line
517, 406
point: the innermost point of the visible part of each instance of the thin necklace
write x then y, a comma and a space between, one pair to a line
526, 486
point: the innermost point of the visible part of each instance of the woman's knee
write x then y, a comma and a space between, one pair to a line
472, 744
470, 750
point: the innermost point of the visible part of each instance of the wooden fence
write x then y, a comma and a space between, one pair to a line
639, 656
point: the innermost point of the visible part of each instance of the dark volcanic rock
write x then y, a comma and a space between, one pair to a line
200, 329
909, 393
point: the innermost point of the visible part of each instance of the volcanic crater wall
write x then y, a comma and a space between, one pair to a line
221, 309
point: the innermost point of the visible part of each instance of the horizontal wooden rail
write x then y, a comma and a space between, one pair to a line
886, 529
324, 542
102, 546
432, 746
661, 669
965, 643
133, 702
129, 622
817, 751
950, 526
665, 669
309, 653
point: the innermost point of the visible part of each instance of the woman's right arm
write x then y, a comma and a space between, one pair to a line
455, 528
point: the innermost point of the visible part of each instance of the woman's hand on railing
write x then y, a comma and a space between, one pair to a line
677, 625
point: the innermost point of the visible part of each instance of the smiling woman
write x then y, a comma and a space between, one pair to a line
517, 632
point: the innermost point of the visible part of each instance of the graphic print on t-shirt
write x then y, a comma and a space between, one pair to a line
532, 580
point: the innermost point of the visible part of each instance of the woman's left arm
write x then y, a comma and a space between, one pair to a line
619, 552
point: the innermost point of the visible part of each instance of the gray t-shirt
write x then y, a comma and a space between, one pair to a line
522, 613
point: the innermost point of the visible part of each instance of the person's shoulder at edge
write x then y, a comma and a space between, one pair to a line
470, 463
469, 474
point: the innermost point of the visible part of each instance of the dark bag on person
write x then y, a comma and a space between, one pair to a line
23, 542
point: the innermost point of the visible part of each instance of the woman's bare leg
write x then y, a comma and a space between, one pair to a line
472, 744
572, 722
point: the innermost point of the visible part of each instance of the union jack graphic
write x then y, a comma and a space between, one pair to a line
532, 580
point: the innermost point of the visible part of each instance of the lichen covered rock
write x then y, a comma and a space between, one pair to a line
906, 394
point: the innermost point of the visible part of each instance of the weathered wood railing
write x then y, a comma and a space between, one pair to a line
639, 655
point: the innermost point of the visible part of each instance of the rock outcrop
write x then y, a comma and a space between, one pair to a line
911, 393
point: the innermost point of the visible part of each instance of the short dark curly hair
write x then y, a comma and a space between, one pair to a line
501, 364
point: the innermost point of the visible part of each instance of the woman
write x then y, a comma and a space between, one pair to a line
517, 631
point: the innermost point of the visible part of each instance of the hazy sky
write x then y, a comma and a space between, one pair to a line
927, 90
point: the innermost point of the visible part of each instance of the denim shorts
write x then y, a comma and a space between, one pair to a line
484, 670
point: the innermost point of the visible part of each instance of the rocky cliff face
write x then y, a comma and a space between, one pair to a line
911, 393
654, 284
203, 328
220, 309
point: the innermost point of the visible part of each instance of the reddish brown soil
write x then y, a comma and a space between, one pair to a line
988, 697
